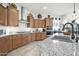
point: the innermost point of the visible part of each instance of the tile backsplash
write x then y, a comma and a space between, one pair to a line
11, 30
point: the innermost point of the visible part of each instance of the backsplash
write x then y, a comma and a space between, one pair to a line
13, 30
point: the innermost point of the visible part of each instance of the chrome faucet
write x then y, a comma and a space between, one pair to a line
72, 33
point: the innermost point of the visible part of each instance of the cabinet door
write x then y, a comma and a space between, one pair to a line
42, 24
38, 36
47, 23
32, 23
12, 17
10, 43
24, 39
0, 46
6, 45
33, 36
37, 23
16, 41
51, 23
2, 15
29, 38
43, 36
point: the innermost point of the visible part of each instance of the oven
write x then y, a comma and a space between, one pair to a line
49, 31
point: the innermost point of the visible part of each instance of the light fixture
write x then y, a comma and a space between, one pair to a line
74, 12
44, 7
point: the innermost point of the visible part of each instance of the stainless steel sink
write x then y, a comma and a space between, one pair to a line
62, 38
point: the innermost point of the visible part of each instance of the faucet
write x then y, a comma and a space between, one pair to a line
72, 33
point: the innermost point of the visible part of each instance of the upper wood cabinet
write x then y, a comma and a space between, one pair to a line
49, 22
41, 23
9, 16
32, 23
2, 15
30, 20
12, 15
36, 23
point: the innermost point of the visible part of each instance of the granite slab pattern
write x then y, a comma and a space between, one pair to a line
47, 47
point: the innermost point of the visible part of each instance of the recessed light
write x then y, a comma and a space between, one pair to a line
44, 7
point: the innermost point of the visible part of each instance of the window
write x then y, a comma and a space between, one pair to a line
56, 24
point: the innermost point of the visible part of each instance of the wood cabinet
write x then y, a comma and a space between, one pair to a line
41, 23
2, 15
16, 39
12, 16
30, 19
43, 35
5, 45
9, 38
40, 36
32, 23
9, 16
49, 22
36, 23
24, 39
12, 42
0, 46
33, 37
29, 39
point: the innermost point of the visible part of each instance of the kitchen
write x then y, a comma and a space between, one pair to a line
28, 29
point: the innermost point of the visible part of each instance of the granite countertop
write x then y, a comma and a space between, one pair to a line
14, 34
58, 46
28, 33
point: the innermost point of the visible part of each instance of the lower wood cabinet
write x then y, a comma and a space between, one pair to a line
12, 42
29, 38
40, 36
16, 40
33, 37
43, 35
0, 45
5, 45
24, 39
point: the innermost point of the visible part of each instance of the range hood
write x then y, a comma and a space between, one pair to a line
22, 13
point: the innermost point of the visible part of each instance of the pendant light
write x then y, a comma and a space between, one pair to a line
74, 12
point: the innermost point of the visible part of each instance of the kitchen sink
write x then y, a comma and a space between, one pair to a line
62, 38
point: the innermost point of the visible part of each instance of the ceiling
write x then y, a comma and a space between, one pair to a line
57, 9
